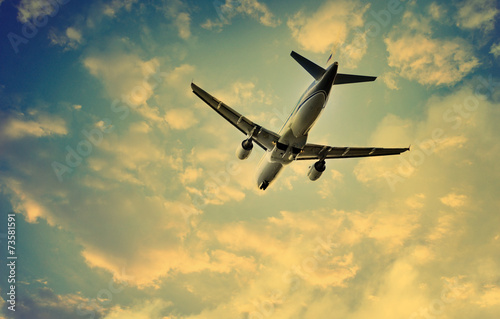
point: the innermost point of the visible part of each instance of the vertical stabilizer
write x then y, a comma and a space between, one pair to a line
315, 70
331, 58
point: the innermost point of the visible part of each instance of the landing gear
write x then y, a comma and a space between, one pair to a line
264, 185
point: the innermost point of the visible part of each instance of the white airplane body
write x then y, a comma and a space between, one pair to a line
290, 143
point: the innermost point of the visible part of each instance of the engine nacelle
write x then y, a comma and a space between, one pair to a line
244, 150
316, 170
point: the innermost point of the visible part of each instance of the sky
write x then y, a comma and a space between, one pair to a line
129, 201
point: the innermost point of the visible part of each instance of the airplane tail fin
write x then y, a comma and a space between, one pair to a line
315, 70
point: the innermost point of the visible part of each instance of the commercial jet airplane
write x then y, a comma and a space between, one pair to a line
290, 143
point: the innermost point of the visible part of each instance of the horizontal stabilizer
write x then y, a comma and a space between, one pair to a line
352, 78
315, 70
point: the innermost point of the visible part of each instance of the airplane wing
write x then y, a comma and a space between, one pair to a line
262, 137
315, 151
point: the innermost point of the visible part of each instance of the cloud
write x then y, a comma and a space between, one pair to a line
430, 61
30, 10
232, 8
125, 76
495, 49
23, 201
454, 200
111, 8
149, 309
436, 11
45, 303
37, 125
182, 22
330, 26
180, 119
178, 11
390, 81
443, 134
490, 296
71, 39
477, 14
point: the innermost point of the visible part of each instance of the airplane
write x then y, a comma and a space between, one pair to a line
290, 143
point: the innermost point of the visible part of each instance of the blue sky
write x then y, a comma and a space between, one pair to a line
130, 201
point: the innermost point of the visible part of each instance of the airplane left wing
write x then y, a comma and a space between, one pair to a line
315, 151
262, 137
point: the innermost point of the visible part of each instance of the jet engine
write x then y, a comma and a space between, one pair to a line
244, 150
316, 170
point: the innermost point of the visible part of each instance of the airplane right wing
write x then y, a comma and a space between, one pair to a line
315, 151
342, 78
262, 137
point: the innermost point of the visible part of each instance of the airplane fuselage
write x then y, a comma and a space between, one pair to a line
295, 131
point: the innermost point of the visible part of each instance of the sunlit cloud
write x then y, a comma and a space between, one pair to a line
70, 39
454, 200
39, 125
35, 9
495, 50
231, 8
125, 76
113, 6
329, 26
477, 14
46, 301
431, 61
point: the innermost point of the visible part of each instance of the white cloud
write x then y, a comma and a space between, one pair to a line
41, 125
430, 61
495, 49
125, 76
178, 12
436, 11
71, 39
149, 309
180, 119
330, 26
490, 296
243, 94
190, 175
390, 81
233, 8
35, 9
454, 200
477, 14
52, 305
182, 22
112, 7
443, 134
23, 201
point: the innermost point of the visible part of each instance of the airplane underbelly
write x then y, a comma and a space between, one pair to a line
307, 114
267, 171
